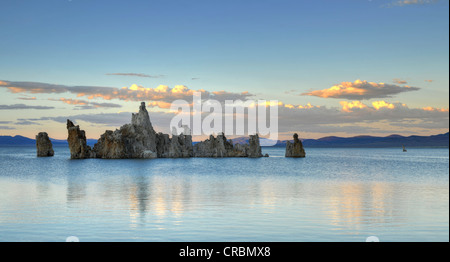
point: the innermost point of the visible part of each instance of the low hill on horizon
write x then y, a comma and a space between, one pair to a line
441, 140
25, 141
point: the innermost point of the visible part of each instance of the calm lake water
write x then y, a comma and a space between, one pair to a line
331, 195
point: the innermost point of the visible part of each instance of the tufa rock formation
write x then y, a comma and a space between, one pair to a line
254, 148
180, 146
139, 140
77, 142
295, 149
216, 147
221, 147
44, 146
135, 140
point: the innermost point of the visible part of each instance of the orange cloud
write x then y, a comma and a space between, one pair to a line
307, 106
348, 106
27, 98
360, 89
345, 88
133, 93
273, 103
180, 89
376, 105
73, 101
82, 104
429, 108
161, 89
15, 90
269, 103
382, 104
289, 106
160, 104
399, 81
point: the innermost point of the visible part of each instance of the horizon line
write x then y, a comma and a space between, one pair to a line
278, 139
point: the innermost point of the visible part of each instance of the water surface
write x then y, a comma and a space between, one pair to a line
331, 195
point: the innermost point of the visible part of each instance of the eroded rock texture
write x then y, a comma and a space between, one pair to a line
44, 146
77, 142
135, 140
221, 147
139, 140
295, 149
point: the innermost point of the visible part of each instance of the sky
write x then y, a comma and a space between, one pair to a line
344, 68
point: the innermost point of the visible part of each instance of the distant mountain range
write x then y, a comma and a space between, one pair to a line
441, 140
25, 141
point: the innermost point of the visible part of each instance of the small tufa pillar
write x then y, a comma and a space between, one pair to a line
77, 142
44, 146
295, 149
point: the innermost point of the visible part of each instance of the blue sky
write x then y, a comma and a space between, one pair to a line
271, 49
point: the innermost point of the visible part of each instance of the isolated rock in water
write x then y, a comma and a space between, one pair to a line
295, 149
77, 142
139, 140
254, 149
44, 145
221, 147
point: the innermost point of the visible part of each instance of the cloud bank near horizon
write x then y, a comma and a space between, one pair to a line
83, 104
353, 117
361, 90
162, 93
